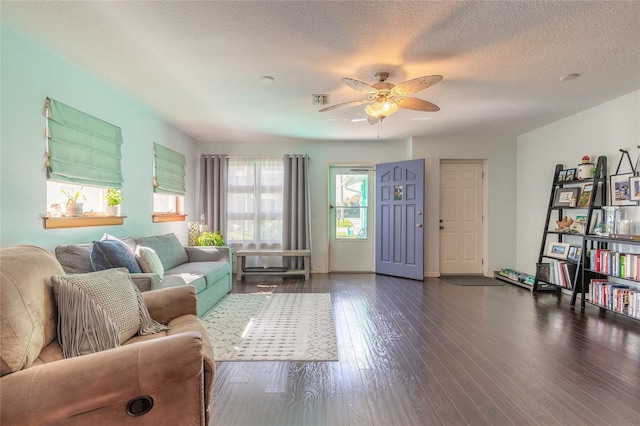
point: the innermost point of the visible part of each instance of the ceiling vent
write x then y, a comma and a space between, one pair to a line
320, 99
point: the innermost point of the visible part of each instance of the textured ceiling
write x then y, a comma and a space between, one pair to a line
199, 63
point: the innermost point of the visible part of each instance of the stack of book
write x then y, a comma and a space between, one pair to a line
615, 296
557, 273
623, 265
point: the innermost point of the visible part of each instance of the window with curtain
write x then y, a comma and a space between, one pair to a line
168, 180
83, 154
254, 203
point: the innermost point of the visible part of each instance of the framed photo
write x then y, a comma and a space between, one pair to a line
570, 175
634, 184
542, 271
558, 250
563, 196
621, 190
579, 225
575, 253
585, 195
562, 175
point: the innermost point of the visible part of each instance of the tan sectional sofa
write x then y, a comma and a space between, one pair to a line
208, 269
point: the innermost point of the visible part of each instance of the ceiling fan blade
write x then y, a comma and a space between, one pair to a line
415, 85
371, 119
344, 105
416, 104
359, 86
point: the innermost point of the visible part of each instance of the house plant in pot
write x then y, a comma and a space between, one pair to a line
114, 199
211, 239
73, 207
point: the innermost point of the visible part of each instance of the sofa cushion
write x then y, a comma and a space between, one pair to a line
168, 249
149, 261
99, 311
113, 253
175, 280
75, 258
28, 309
212, 271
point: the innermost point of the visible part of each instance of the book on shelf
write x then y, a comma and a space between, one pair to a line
621, 298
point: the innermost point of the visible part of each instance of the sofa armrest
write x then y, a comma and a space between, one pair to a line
208, 254
53, 392
146, 281
170, 303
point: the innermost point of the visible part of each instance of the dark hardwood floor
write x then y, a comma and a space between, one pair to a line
414, 353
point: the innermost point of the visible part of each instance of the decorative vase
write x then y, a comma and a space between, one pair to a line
585, 171
112, 210
193, 232
74, 210
608, 224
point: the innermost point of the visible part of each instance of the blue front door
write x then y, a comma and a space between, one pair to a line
400, 219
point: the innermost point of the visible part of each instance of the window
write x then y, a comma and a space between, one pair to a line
254, 213
168, 184
83, 161
92, 197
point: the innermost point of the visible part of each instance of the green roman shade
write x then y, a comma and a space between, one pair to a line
82, 149
169, 171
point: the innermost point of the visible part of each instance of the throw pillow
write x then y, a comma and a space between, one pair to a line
149, 261
99, 311
113, 253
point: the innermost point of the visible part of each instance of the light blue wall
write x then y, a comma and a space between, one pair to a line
30, 73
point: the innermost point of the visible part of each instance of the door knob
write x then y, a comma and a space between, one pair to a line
419, 225
441, 226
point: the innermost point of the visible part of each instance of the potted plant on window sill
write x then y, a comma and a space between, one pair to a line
114, 199
73, 208
211, 239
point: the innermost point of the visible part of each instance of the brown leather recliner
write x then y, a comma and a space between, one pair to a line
170, 374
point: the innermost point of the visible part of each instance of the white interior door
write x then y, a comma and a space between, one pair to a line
461, 227
351, 246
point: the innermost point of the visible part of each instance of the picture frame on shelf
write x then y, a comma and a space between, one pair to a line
579, 225
585, 195
562, 175
621, 190
634, 185
575, 252
543, 271
570, 175
558, 250
563, 196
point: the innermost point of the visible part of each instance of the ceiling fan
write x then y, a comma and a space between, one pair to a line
385, 98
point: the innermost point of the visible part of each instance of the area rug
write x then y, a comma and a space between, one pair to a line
273, 327
470, 280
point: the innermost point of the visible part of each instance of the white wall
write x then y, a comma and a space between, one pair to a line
322, 153
499, 156
601, 130
29, 74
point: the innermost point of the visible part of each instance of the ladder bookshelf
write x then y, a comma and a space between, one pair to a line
563, 251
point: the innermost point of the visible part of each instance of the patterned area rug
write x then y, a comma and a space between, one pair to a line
273, 327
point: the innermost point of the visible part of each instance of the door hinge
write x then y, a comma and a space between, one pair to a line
482, 261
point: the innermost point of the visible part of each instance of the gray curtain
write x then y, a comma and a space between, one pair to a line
213, 192
296, 223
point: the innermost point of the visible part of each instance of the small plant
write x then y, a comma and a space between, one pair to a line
211, 239
113, 197
73, 196
344, 223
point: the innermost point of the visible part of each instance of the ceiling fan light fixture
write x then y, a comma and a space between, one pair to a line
381, 109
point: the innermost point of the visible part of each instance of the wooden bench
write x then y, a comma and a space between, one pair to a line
241, 257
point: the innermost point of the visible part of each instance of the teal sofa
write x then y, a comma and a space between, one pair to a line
208, 269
